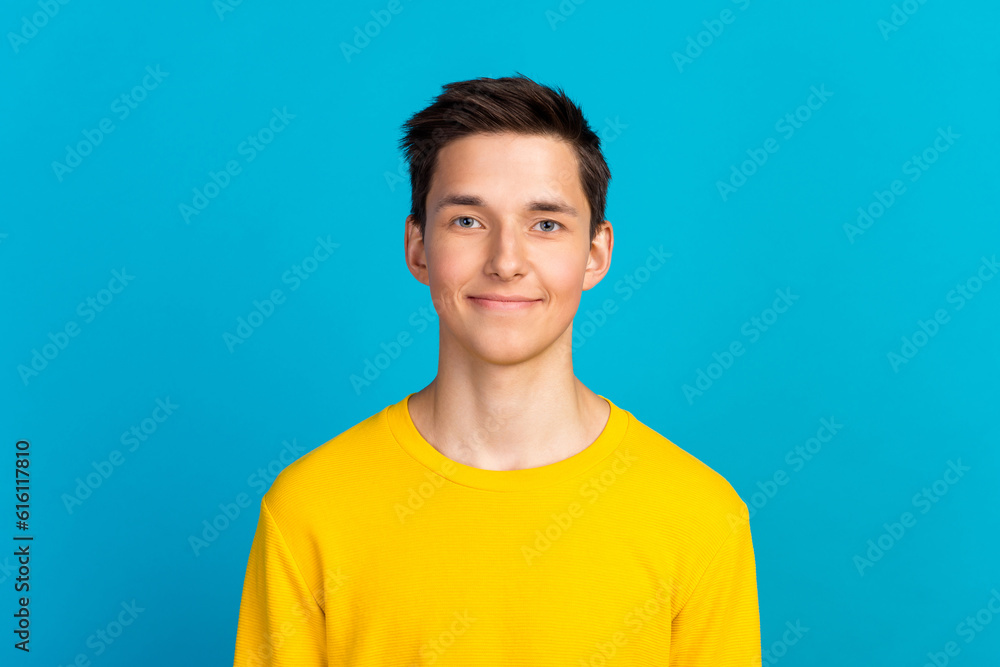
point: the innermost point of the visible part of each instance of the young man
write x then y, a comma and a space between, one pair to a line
504, 514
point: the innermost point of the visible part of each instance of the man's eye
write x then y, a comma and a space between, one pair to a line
464, 217
461, 221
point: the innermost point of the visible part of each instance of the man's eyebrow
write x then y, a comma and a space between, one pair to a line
459, 200
551, 205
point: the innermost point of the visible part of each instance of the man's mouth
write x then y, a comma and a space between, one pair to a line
503, 301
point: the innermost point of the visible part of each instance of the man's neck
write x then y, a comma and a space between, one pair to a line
493, 427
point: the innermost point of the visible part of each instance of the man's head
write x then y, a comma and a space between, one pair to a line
508, 201
509, 104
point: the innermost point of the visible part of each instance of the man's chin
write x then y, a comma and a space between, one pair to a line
505, 349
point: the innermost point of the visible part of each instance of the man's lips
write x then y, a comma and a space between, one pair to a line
503, 302
502, 297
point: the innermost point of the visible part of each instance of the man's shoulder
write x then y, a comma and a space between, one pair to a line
692, 485
330, 465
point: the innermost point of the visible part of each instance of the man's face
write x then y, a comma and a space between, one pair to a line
507, 216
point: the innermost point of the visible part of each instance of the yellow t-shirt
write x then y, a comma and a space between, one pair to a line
375, 549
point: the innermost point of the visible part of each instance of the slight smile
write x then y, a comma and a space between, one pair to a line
499, 302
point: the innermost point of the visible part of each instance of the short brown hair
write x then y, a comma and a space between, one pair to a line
508, 104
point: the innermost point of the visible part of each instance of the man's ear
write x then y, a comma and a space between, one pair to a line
599, 261
413, 249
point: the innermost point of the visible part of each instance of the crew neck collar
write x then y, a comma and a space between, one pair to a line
409, 438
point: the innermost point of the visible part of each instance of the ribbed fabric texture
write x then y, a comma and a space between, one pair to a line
374, 549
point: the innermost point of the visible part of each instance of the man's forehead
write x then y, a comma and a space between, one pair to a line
490, 142
561, 183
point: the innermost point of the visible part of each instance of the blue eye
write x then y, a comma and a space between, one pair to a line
551, 221
459, 220
464, 217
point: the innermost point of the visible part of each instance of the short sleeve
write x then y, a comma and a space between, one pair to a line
280, 622
719, 624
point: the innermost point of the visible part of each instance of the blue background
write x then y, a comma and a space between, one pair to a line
674, 130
